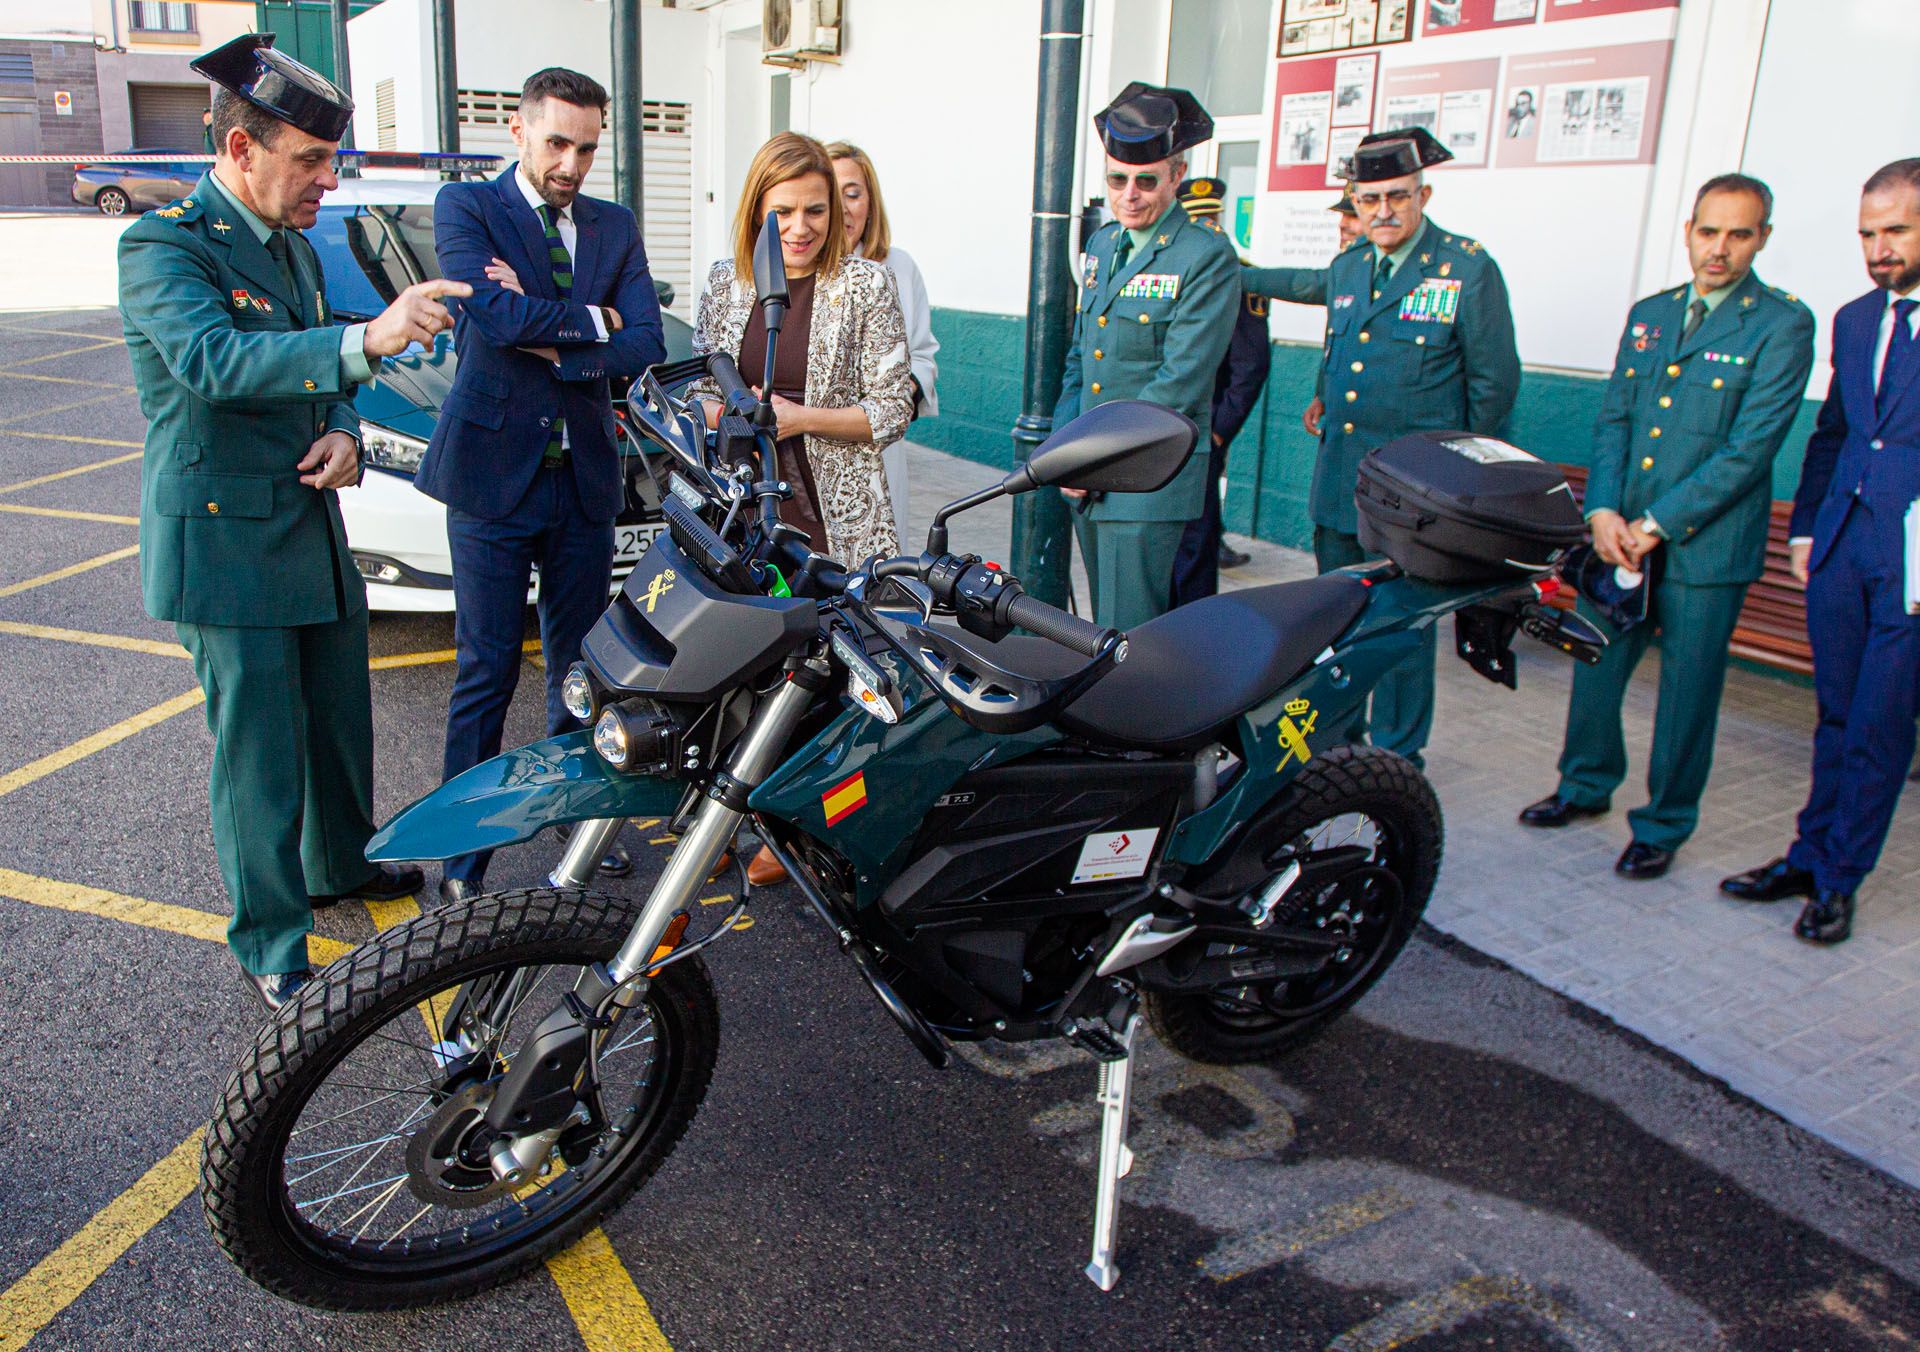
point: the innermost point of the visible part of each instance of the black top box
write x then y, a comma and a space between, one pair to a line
1456, 507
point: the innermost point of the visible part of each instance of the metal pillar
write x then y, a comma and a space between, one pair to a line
628, 158
342, 72
446, 78
1040, 524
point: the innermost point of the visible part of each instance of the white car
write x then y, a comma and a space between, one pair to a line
375, 238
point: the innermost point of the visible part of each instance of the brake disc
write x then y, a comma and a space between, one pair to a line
447, 1161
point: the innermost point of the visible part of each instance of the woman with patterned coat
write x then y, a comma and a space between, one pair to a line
843, 385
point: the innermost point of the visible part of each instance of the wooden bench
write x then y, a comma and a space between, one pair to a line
1773, 623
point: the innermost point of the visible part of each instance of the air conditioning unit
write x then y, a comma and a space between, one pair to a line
794, 32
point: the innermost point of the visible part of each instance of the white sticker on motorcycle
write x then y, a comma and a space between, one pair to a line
1115, 854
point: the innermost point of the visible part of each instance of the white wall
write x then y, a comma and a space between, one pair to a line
1837, 99
64, 19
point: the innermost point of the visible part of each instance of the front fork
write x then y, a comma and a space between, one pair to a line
539, 1094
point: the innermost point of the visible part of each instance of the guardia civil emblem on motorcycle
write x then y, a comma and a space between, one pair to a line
1015, 824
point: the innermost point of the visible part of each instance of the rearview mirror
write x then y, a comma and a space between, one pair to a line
769, 265
1126, 446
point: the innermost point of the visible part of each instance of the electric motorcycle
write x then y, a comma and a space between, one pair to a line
1016, 824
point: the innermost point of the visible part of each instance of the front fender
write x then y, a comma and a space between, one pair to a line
513, 796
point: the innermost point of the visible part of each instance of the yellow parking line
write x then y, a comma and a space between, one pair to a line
69, 380
607, 1308
67, 515
94, 346
153, 647
58, 408
99, 741
57, 1280
14, 589
77, 469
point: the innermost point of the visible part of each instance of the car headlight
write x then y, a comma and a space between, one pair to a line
576, 692
389, 450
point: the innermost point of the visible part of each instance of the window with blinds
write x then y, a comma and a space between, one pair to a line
386, 117
160, 16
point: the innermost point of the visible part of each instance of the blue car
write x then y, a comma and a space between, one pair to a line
375, 238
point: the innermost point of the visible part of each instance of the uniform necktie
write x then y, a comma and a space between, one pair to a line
1120, 254
1695, 313
1382, 270
561, 263
1900, 366
277, 246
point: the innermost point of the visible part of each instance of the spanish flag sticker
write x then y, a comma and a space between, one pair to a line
844, 799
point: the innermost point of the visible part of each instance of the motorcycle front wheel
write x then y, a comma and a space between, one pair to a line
1375, 813
346, 1166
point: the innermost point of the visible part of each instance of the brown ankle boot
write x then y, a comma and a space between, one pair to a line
765, 870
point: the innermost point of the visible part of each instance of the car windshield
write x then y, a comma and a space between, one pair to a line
371, 253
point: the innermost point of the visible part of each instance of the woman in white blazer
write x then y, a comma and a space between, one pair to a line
864, 212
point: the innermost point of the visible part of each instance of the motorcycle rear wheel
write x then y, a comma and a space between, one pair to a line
1351, 795
362, 1066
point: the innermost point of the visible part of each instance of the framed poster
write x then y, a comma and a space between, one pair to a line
1441, 17
1311, 27
1453, 100
1595, 106
1315, 107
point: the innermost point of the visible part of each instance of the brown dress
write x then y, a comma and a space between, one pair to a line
789, 382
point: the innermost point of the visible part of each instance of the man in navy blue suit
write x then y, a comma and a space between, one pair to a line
524, 454
1861, 478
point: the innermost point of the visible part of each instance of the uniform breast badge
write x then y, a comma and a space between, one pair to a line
1434, 301
222, 227
1152, 286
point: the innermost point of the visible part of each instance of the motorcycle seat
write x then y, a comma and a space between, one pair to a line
1192, 670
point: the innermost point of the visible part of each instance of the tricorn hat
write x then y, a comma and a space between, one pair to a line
1146, 124
1394, 154
1203, 196
277, 84
1344, 205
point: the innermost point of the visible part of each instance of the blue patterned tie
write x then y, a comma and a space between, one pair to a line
562, 264
1899, 367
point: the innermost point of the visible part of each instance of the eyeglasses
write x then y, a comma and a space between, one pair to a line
1369, 201
1146, 182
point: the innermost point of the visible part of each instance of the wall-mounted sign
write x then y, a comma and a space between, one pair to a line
63, 102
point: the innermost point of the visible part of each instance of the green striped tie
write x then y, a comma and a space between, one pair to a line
562, 263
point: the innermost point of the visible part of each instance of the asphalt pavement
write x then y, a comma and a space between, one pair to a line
1469, 1160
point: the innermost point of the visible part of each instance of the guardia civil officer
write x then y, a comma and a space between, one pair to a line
1706, 381
1419, 338
1860, 480
1236, 389
246, 387
1154, 316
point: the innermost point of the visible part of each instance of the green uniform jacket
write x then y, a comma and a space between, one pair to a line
234, 390
1156, 330
1688, 432
1435, 352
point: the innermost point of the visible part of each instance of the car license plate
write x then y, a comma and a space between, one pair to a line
632, 539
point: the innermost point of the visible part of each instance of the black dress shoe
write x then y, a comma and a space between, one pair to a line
1233, 558
276, 988
453, 891
1641, 860
1553, 810
1772, 881
387, 884
1827, 919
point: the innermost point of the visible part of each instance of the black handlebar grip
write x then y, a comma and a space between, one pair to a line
726, 375
1051, 622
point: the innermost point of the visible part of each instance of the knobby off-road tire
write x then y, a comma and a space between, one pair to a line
244, 1173
1346, 784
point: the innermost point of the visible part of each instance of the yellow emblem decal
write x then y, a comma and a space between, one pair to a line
1293, 735
662, 584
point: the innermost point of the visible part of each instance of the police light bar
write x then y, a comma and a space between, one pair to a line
438, 161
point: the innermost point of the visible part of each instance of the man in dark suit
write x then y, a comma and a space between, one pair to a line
1236, 389
524, 453
1860, 480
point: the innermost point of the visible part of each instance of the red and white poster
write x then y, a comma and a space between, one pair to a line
1600, 105
1591, 9
1318, 105
1453, 100
1441, 17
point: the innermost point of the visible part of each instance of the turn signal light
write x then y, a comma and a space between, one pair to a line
676, 931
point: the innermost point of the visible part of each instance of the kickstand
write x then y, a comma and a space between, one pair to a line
1116, 1161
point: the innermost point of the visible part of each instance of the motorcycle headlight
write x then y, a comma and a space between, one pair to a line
576, 692
636, 733
611, 741
389, 450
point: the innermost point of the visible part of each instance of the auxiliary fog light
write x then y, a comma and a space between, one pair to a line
576, 692
610, 739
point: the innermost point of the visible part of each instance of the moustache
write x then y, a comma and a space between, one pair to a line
1388, 222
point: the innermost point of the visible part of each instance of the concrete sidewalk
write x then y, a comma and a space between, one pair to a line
1827, 1038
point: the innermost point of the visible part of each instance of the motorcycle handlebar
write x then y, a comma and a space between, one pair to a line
1051, 622
733, 388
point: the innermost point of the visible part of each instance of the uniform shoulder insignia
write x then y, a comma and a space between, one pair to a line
183, 209
1784, 294
1470, 246
1209, 223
